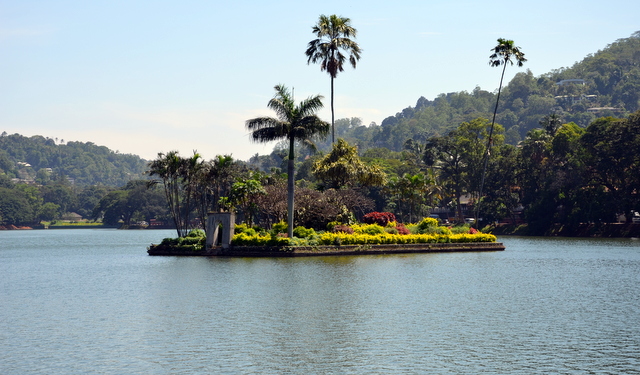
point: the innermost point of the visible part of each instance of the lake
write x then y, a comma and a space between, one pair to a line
92, 301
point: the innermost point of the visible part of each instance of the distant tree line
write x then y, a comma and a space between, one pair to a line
39, 159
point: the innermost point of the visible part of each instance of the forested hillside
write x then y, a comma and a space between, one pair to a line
606, 83
42, 159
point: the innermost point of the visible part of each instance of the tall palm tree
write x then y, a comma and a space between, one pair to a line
334, 35
293, 123
504, 53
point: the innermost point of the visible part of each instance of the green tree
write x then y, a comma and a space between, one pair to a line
135, 202
334, 36
458, 155
179, 178
214, 180
342, 167
15, 208
413, 194
293, 123
613, 161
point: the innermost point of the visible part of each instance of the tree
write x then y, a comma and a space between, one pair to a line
457, 156
413, 193
243, 194
293, 123
334, 35
342, 167
214, 180
504, 53
613, 161
15, 208
179, 177
135, 202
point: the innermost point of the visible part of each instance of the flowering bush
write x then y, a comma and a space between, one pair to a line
371, 229
427, 223
243, 239
380, 218
361, 234
386, 238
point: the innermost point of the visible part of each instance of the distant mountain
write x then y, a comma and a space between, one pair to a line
606, 83
41, 159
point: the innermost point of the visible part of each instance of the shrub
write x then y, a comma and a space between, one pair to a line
380, 218
427, 223
302, 232
190, 243
371, 229
413, 228
240, 228
196, 233
280, 227
401, 229
243, 239
391, 230
460, 229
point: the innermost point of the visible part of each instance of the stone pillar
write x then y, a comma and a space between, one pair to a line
228, 220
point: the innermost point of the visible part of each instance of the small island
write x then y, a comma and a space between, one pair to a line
377, 236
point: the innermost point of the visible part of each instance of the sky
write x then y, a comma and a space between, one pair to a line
144, 77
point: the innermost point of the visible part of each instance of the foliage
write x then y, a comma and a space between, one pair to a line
371, 229
302, 232
361, 236
293, 123
196, 233
14, 208
244, 239
380, 218
413, 194
342, 167
179, 177
134, 202
329, 238
48, 159
314, 209
194, 243
333, 37
279, 228
610, 78
427, 223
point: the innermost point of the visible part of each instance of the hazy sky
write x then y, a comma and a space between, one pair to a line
144, 77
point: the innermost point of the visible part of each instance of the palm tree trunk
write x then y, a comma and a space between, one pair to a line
489, 144
290, 187
333, 127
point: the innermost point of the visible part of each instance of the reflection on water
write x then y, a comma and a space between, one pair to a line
82, 301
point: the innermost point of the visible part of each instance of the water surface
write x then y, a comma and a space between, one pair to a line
92, 301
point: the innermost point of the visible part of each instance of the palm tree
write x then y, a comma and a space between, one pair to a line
333, 34
504, 53
293, 123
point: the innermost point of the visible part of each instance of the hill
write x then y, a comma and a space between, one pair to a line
606, 83
41, 159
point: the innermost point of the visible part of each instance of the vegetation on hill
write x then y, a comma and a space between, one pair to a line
43, 159
606, 83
